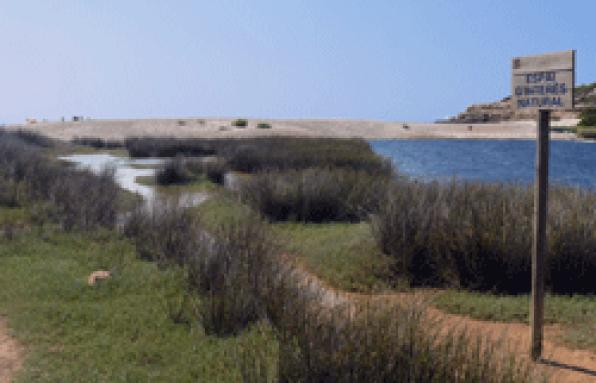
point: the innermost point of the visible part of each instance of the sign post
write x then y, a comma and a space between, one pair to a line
541, 83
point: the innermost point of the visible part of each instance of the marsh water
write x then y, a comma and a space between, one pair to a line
572, 163
126, 172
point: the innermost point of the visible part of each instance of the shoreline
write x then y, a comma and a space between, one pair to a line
214, 128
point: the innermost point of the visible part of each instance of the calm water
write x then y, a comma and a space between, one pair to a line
571, 162
126, 175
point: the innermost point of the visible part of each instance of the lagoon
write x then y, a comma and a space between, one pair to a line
572, 163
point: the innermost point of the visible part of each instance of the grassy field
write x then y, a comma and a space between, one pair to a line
345, 255
128, 329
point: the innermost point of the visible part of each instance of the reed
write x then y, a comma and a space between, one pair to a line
75, 199
315, 195
478, 236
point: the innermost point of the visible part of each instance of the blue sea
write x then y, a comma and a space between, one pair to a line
572, 163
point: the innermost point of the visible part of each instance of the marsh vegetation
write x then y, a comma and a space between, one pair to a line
215, 279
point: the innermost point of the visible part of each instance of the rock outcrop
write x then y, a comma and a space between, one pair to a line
585, 97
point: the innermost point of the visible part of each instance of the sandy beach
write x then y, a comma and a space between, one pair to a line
222, 128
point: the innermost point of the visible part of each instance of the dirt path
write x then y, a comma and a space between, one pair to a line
561, 364
11, 354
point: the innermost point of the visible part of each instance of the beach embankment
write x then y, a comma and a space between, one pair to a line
338, 128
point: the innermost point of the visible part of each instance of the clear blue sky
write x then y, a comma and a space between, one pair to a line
390, 60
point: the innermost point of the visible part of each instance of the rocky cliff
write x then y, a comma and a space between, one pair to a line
585, 97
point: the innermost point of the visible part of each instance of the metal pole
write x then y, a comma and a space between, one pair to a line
539, 241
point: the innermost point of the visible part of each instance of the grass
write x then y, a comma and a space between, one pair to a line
220, 209
342, 254
13, 216
576, 313
119, 331
199, 184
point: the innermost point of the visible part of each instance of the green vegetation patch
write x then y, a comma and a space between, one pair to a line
128, 328
344, 255
576, 313
588, 117
240, 123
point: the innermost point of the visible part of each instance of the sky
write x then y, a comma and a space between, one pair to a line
392, 60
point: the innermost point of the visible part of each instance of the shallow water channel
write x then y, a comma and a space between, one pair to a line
127, 170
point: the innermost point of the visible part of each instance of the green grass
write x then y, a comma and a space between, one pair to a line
345, 255
220, 208
577, 314
13, 216
122, 330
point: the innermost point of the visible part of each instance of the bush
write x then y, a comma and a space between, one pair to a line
269, 153
263, 125
386, 344
315, 195
166, 233
34, 139
588, 117
232, 270
173, 171
214, 169
97, 143
168, 147
281, 153
478, 236
75, 199
240, 123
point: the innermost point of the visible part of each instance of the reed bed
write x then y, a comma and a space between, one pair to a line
315, 195
97, 143
181, 170
478, 236
268, 153
54, 192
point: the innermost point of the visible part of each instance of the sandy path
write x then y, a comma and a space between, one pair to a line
561, 364
11, 354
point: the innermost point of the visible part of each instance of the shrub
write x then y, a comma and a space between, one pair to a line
478, 236
166, 233
231, 269
214, 169
263, 125
588, 117
76, 199
97, 143
269, 153
35, 139
240, 123
280, 153
173, 171
168, 147
386, 344
314, 195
